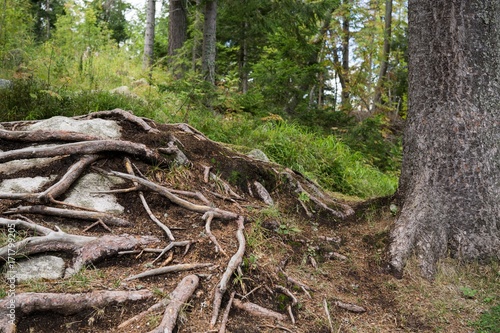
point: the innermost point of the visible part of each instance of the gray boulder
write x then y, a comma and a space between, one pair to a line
41, 267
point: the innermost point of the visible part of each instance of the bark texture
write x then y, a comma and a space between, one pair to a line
149, 36
209, 41
450, 181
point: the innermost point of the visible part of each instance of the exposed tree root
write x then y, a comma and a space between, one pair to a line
73, 214
127, 115
178, 298
85, 147
209, 217
350, 307
66, 304
43, 136
257, 310
86, 249
233, 264
225, 316
170, 246
320, 202
263, 193
130, 170
219, 213
168, 269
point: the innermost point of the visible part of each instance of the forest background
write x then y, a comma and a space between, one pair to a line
319, 86
304, 81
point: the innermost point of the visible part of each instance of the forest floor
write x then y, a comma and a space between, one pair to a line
337, 263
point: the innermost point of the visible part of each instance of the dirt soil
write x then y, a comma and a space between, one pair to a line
339, 259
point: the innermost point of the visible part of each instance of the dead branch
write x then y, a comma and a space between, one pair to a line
42, 136
257, 310
85, 147
73, 214
219, 213
263, 193
66, 304
350, 307
233, 264
168, 269
181, 294
225, 316
127, 115
208, 216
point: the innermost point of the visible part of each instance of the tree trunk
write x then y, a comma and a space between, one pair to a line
243, 59
343, 68
385, 54
198, 26
450, 180
209, 41
177, 30
149, 37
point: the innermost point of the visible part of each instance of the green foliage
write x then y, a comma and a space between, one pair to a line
376, 141
34, 99
489, 322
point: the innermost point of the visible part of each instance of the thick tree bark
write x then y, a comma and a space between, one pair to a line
450, 181
209, 41
177, 31
149, 37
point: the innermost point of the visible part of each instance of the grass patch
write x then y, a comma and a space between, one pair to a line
459, 293
489, 322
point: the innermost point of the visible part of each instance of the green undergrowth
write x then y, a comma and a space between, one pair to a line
325, 158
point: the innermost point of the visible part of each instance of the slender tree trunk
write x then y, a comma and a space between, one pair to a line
149, 36
346, 36
177, 31
450, 180
385, 54
209, 41
242, 64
